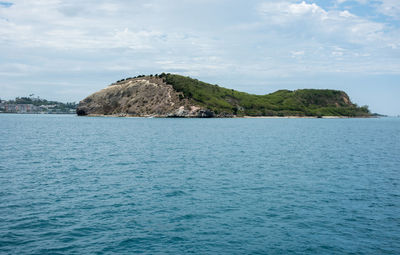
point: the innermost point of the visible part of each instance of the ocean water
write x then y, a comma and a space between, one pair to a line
80, 185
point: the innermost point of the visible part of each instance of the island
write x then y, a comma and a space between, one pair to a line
172, 95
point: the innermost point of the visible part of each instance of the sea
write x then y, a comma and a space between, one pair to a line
103, 185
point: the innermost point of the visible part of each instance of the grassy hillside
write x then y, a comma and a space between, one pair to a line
304, 102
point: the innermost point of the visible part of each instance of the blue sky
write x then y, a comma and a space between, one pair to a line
65, 50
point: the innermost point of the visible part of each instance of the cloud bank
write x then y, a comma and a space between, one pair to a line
82, 45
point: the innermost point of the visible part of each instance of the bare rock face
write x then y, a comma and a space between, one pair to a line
143, 97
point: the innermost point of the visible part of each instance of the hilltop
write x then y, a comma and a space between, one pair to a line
171, 95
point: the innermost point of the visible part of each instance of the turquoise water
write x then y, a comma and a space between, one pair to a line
79, 185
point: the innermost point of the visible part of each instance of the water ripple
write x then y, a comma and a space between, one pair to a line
73, 185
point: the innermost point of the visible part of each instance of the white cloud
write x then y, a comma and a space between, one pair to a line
314, 21
297, 53
303, 8
359, 1
58, 25
346, 14
335, 40
387, 7
285, 12
390, 8
261, 38
337, 53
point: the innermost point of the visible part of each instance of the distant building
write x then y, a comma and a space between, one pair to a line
18, 108
13, 107
10, 108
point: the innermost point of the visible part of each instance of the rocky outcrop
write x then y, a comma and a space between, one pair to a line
142, 97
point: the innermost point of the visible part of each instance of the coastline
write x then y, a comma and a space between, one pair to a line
234, 117
295, 117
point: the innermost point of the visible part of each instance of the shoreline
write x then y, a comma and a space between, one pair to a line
235, 117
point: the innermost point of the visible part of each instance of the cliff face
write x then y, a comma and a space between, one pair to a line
144, 96
169, 95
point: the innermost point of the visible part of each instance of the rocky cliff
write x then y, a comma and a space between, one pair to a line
143, 96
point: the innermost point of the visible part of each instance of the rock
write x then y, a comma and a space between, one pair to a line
144, 96
81, 111
205, 114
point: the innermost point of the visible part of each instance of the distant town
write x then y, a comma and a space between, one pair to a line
36, 105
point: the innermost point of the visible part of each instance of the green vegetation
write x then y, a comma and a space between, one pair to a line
36, 105
44, 102
304, 102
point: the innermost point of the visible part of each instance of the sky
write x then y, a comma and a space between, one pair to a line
66, 50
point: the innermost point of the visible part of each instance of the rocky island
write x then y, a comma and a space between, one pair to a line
171, 95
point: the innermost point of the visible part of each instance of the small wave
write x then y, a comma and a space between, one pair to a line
175, 193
